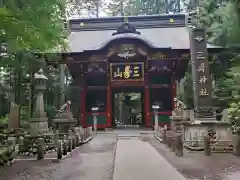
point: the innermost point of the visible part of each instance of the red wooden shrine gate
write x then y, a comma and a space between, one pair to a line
126, 66
103, 49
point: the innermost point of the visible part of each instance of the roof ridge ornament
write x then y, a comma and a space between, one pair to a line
126, 28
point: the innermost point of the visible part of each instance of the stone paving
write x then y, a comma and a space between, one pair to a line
138, 160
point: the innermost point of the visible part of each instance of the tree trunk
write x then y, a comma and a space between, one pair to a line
166, 7
157, 7
62, 84
121, 8
178, 6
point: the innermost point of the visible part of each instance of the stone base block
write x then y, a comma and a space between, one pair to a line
38, 125
194, 133
63, 124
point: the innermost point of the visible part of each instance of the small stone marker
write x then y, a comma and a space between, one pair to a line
59, 150
65, 137
12, 142
236, 149
173, 143
14, 120
73, 142
169, 139
65, 147
164, 136
179, 145
77, 140
207, 145
40, 150
56, 138
69, 144
70, 133
21, 141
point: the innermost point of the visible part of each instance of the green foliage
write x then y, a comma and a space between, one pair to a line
28, 27
234, 114
80, 8
32, 25
4, 120
221, 22
222, 93
142, 7
24, 124
24, 113
51, 112
185, 92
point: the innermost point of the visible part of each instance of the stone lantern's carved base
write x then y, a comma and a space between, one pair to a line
194, 133
38, 125
64, 121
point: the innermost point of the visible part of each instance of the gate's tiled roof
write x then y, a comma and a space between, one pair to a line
165, 31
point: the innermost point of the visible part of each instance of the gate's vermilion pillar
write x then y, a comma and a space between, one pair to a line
173, 88
109, 107
83, 102
147, 106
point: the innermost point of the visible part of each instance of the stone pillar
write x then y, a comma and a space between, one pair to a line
207, 145
40, 148
14, 119
39, 122
62, 84
83, 104
147, 106
155, 110
109, 107
94, 113
156, 122
173, 89
59, 150
95, 123
179, 145
236, 145
202, 83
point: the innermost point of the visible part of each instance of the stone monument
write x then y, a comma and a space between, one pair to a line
39, 121
14, 122
204, 117
14, 118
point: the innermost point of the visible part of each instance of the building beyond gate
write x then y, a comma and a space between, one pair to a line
146, 54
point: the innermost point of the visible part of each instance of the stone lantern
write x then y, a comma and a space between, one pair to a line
155, 109
39, 121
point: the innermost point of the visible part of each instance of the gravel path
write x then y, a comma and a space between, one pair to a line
92, 161
196, 166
